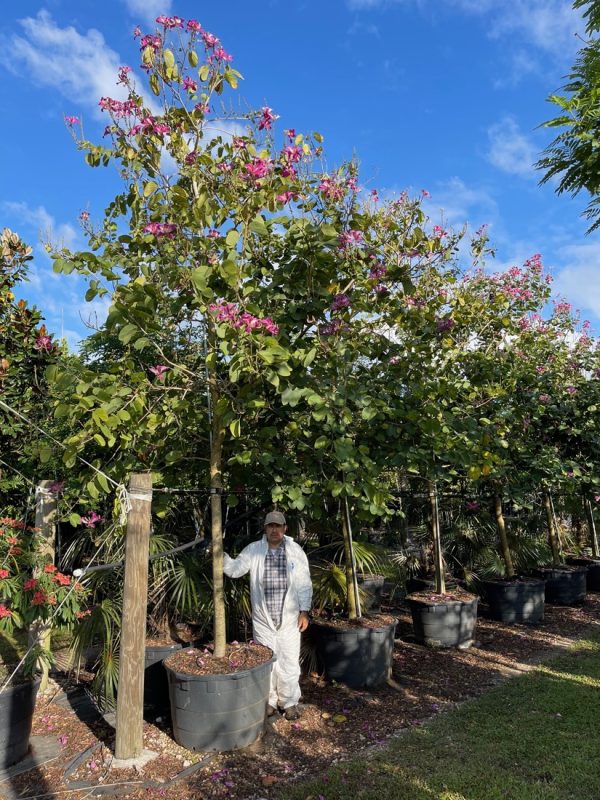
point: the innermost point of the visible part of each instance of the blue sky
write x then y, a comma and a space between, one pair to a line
443, 95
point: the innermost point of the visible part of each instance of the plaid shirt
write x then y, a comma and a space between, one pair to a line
275, 582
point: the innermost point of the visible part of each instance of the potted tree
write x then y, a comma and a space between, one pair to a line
31, 590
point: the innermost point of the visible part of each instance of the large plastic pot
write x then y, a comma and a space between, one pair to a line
515, 601
17, 704
156, 685
450, 623
360, 657
565, 586
593, 571
219, 712
372, 586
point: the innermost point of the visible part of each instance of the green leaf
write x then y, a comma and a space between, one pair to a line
45, 454
169, 58
258, 226
204, 72
321, 442
127, 333
235, 428
193, 58
149, 187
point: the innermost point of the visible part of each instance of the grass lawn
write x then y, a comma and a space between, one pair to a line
535, 737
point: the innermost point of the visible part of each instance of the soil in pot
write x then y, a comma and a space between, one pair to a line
444, 620
219, 703
357, 653
593, 570
565, 585
519, 600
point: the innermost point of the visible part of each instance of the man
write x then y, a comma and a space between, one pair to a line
281, 596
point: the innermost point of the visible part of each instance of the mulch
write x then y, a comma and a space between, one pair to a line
336, 724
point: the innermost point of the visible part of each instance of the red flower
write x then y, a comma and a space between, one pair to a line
30, 584
50, 568
38, 599
4, 611
4, 573
62, 580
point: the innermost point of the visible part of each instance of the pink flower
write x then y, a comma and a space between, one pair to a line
84, 216
258, 168
71, 120
292, 154
38, 599
4, 611
44, 343
445, 324
50, 569
267, 117
193, 25
189, 84
159, 370
544, 398
221, 55
4, 573
330, 189
340, 301
150, 41
203, 107
30, 585
91, 520
374, 195
349, 238
571, 390
158, 229
378, 271
170, 22
286, 197
290, 133
209, 40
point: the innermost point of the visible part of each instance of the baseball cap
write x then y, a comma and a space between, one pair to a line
275, 517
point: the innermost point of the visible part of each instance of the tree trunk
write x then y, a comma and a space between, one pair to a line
440, 581
216, 526
552, 537
352, 598
589, 512
45, 519
504, 548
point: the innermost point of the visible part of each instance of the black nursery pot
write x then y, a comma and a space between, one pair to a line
359, 657
450, 623
519, 600
17, 704
156, 684
372, 585
219, 712
593, 571
565, 586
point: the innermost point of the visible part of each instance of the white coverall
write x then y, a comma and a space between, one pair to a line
284, 641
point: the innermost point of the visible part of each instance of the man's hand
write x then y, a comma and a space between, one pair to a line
303, 621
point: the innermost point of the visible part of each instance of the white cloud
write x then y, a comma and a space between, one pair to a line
510, 150
148, 10
548, 25
43, 223
461, 204
82, 68
579, 278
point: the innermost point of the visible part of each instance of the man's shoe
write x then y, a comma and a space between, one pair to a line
271, 711
292, 713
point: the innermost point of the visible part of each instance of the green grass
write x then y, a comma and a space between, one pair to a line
535, 737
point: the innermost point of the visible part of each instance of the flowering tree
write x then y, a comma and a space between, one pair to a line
31, 588
26, 350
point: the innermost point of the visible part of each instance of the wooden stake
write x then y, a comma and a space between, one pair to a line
130, 700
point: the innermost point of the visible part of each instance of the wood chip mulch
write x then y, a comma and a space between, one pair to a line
337, 722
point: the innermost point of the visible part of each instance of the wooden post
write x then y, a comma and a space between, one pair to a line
45, 520
130, 700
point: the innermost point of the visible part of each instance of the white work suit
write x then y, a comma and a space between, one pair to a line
285, 640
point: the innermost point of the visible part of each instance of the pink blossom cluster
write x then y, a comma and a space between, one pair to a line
267, 118
544, 398
118, 108
534, 263
286, 197
381, 289
571, 390
258, 168
149, 124
44, 343
123, 72
349, 239
444, 324
190, 84
71, 120
229, 312
340, 301
330, 189
159, 370
439, 232
378, 271
170, 22
150, 41
161, 229
561, 307
335, 326
91, 519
